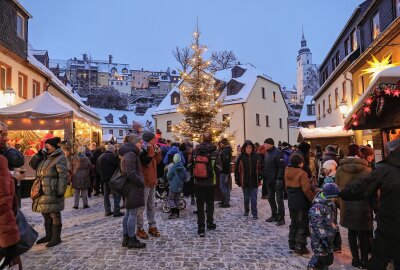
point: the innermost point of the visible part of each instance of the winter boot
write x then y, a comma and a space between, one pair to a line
47, 228
273, 218
201, 231
133, 242
125, 240
211, 226
55, 235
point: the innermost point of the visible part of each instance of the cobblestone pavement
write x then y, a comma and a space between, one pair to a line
92, 241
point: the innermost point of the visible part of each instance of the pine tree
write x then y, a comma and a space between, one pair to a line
200, 99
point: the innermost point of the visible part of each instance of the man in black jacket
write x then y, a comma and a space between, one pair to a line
205, 186
106, 165
274, 170
386, 179
225, 153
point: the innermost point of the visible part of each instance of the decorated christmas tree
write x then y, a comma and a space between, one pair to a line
200, 99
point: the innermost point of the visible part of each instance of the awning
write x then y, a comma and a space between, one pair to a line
379, 99
323, 132
43, 106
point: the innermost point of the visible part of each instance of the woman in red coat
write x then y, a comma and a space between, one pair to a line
9, 234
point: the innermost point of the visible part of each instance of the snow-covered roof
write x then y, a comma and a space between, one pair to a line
60, 85
323, 132
131, 116
248, 79
304, 117
393, 72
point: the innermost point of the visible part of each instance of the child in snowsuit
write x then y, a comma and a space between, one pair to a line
323, 227
177, 175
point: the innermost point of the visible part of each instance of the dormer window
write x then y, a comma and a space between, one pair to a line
237, 72
113, 70
311, 109
175, 98
124, 119
20, 26
124, 70
233, 87
109, 118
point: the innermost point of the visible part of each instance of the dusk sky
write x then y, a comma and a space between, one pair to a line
143, 33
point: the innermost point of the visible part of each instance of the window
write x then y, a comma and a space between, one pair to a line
336, 98
274, 96
121, 132
169, 126
226, 117
263, 92
280, 123
329, 103
397, 8
267, 121
376, 26
20, 26
347, 47
310, 109
111, 131
35, 88
22, 85
5, 76
335, 60
344, 98
257, 119
323, 108
324, 75
319, 111
354, 41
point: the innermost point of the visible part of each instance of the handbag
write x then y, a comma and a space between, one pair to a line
69, 192
118, 182
36, 190
27, 235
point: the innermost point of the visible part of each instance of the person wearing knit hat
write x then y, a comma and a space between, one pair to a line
53, 172
177, 175
137, 128
329, 168
300, 196
53, 142
323, 227
273, 182
150, 157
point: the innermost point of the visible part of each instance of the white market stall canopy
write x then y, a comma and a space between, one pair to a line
323, 132
43, 106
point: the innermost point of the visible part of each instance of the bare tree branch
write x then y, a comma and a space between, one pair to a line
182, 56
222, 60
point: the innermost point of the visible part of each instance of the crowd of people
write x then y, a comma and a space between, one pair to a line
324, 187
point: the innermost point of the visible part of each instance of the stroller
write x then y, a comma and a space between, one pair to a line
162, 196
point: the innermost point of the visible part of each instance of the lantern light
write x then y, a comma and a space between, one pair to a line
9, 95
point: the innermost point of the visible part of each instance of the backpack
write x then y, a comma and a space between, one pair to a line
202, 169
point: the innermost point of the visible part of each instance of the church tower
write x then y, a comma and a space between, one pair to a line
304, 65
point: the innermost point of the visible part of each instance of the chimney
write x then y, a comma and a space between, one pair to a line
110, 59
85, 57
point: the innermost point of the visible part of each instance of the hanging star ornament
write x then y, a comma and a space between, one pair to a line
376, 66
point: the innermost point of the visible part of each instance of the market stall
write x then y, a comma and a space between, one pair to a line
378, 109
326, 136
32, 122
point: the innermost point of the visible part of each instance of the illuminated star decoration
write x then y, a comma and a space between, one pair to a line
377, 66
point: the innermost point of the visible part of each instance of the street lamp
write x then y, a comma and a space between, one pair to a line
9, 94
343, 108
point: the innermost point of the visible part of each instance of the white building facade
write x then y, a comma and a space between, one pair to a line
253, 102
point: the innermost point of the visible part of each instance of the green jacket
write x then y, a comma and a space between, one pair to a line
54, 183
